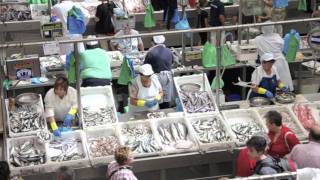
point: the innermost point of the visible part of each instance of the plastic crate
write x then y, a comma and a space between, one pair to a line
231, 117
315, 111
96, 133
216, 145
95, 98
155, 123
31, 132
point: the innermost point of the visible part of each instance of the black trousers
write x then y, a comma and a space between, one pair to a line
90, 82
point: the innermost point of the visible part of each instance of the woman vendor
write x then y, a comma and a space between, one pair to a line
61, 104
265, 79
145, 91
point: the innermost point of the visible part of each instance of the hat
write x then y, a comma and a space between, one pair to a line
267, 57
159, 39
146, 70
92, 43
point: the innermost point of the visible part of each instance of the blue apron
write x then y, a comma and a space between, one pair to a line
268, 83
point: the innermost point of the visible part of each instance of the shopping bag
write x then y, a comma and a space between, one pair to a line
227, 58
293, 47
149, 21
183, 24
75, 21
209, 55
302, 6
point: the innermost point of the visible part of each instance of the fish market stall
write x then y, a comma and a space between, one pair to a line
98, 107
174, 135
211, 132
244, 123
288, 119
307, 113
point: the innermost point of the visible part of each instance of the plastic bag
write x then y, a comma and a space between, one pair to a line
75, 21
302, 5
149, 21
209, 55
227, 58
183, 24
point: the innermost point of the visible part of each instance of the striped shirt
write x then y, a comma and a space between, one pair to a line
118, 172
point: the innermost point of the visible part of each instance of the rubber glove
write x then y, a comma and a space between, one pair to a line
269, 94
283, 88
55, 129
157, 97
151, 103
57, 133
69, 117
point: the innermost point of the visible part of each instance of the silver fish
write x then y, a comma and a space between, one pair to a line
103, 146
155, 115
197, 101
66, 149
101, 117
243, 130
173, 133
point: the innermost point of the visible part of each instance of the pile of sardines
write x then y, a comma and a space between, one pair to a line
140, 139
66, 149
26, 118
100, 117
27, 154
197, 101
244, 130
103, 146
210, 130
175, 135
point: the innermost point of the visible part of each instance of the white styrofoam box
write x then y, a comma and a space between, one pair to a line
131, 124
95, 98
216, 145
26, 170
231, 117
315, 111
97, 133
22, 134
155, 123
197, 79
80, 163
299, 131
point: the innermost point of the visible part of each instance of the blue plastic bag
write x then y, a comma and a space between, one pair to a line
75, 21
183, 24
176, 17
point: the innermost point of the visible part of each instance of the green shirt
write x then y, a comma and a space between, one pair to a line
95, 64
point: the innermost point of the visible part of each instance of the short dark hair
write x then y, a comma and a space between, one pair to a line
314, 134
259, 143
274, 117
121, 155
61, 82
4, 170
66, 173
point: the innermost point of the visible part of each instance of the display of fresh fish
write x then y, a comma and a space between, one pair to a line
27, 154
66, 149
304, 114
244, 130
26, 118
103, 146
210, 130
197, 101
140, 139
174, 135
155, 115
101, 117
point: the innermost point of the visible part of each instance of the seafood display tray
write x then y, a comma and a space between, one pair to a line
195, 79
140, 123
215, 145
31, 132
26, 169
301, 133
315, 109
156, 123
95, 98
232, 117
96, 133
80, 163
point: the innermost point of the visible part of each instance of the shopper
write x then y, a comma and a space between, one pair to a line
104, 22
217, 16
265, 79
270, 42
282, 138
308, 155
265, 164
127, 45
65, 173
279, 13
61, 104
96, 70
4, 170
170, 6
202, 20
161, 59
120, 169
145, 91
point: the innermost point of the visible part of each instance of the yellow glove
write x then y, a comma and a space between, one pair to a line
261, 90
72, 111
53, 125
141, 102
280, 85
158, 97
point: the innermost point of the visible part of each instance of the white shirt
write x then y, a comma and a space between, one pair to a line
129, 44
259, 73
57, 107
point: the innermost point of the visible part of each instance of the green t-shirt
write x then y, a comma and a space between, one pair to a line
95, 64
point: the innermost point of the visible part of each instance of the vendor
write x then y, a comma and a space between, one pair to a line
95, 64
265, 79
127, 45
161, 58
61, 104
145, 91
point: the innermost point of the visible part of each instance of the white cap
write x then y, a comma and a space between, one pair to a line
92, 43
159, 39
267, 57
146, 70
